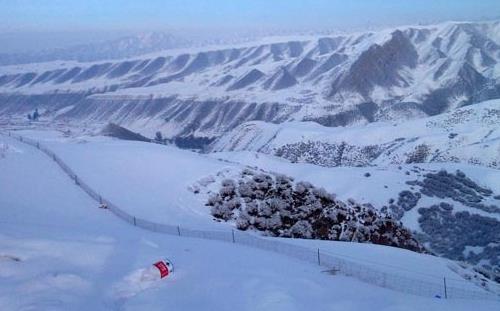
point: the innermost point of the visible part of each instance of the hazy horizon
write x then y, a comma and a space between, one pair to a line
32, 25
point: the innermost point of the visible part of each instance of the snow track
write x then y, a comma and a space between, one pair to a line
427, 287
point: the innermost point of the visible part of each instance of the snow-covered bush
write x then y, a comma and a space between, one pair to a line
444, 231
302, 229
451, 234
278, 206
419, 155
330, 154
457, 187
408, 200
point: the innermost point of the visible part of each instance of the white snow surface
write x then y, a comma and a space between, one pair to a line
58, 251
384, 182
477, 136
149, 181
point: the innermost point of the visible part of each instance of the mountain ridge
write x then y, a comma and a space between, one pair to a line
407, 72
465, 135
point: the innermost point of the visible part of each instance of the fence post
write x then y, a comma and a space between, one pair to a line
445, 289
134, 221
179, 230
319, 259
232, 231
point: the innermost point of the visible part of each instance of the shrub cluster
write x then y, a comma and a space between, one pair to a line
419, 155
330, 154
444, 231
278, 206
406, 201
457, 187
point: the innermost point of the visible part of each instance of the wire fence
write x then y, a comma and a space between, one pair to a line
439, 287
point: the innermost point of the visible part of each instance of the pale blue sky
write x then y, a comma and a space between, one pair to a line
218, 15
124, 14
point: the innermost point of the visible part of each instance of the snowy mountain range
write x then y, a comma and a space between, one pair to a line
111, 49
395, 74
386, 137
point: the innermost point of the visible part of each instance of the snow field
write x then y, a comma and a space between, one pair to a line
74, 256
376, 272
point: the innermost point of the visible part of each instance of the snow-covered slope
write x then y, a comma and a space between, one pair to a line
167, 185
466, 135
60, 252
468, 232
399, 73
153, 179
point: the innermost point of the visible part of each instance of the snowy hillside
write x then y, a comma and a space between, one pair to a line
176, 189
154, 179
166, 192
465, 135
60, 252
459, 230
402, 73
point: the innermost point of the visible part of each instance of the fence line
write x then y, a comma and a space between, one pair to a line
335, 264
